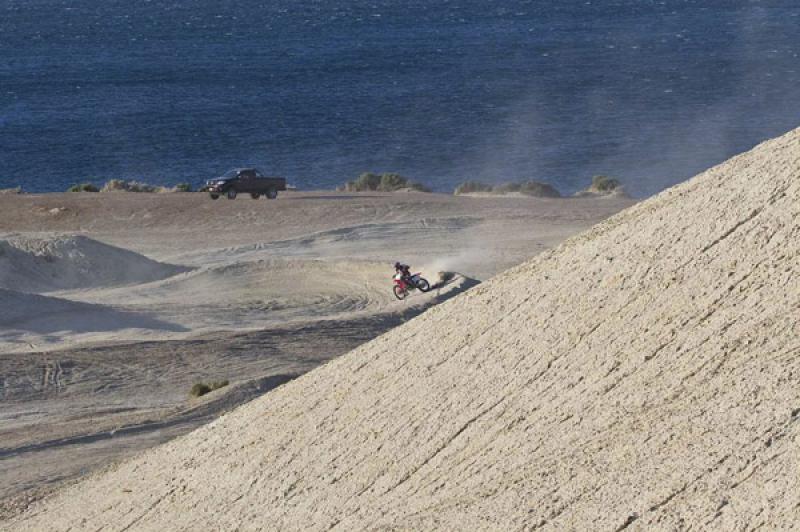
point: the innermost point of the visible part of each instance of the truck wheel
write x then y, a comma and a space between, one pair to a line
214, 196
272, 193
254, 195
232, 193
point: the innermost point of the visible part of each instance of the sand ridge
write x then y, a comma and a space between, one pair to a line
643, 374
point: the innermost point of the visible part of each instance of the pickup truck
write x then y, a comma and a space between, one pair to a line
245, 180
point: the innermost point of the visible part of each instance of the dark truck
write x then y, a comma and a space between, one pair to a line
247, 181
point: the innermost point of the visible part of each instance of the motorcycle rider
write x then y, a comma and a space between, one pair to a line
404, 270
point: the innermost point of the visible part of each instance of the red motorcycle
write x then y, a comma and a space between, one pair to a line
404, 285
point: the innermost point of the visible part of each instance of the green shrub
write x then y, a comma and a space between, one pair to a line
468, 187
183, 187
366, 181
603, 186
201, 388
216, 385
83, 187
603, 183
118, 185
135, 186
390, 182
386, 182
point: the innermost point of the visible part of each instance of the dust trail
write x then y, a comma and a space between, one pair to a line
646, 122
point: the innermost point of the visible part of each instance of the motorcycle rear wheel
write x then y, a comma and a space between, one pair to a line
423, 285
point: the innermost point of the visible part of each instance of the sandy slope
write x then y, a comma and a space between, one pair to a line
235, 296
75, 261
26, 318
113, 305
258, 292
642, 375
187, 265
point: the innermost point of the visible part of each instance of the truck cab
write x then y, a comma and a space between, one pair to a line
245, 180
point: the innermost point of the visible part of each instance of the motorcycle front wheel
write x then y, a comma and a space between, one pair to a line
399, 292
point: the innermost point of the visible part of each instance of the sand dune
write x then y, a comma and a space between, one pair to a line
102, 368
362, 240
96, 357
266, 289
642, 375
31, 319
69, 262
236, 296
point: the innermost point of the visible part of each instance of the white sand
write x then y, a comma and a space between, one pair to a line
113, 305
68, 262
642, 375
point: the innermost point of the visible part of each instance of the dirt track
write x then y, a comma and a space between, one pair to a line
101, 344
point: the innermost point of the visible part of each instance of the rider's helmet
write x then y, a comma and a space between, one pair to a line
397, 265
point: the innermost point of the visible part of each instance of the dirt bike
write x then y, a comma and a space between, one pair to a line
403, 285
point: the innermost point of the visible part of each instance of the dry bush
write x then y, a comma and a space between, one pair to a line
364, 182
219, 384
201, 388
386, 182
469, 187
119, 185
528, 188
603, 186
390, 182
83, 187
603, 183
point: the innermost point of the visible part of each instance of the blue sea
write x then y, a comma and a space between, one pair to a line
168, 91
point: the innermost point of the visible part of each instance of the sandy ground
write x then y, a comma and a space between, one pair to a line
113, 305
643, 375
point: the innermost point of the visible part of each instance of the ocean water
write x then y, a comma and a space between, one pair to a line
442, 91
